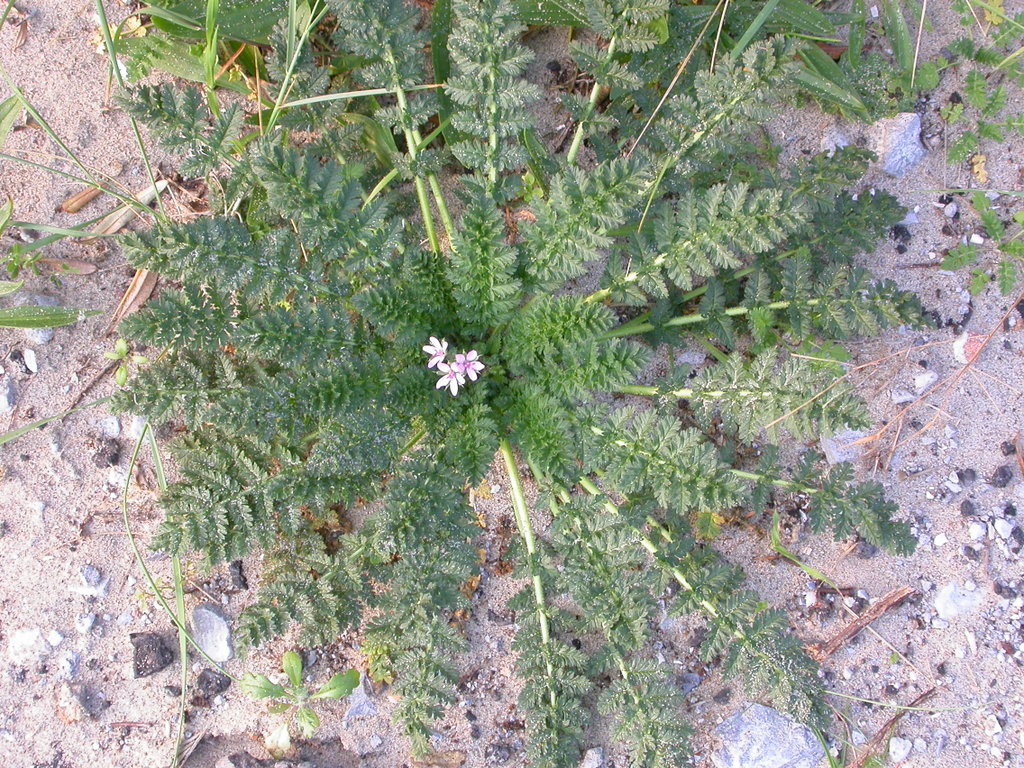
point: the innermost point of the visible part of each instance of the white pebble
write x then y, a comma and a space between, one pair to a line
54, 638
1004, 528
977, 239
924, 380
950, 210
30, 360
976, 530
941, 540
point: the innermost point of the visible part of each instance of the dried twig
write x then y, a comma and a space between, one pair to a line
874, 746
821, 651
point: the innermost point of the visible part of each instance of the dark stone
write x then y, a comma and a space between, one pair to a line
941, 668
245, 760
92, 700
900, 234
212, 682
966, 476
151, 653
238, 580
498, 753
967, 508
972, 554
1009, 510
865, 550
1008, 448
474, 731
1001, 477
723, 696
108, 452
1016, 542
174, 691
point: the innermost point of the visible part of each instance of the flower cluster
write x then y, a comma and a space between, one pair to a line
454, 373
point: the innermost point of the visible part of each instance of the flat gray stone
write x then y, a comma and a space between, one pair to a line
7, 396
360, 704
952, 601
212, 632
842, 446
593, 758
761, 737
897, 141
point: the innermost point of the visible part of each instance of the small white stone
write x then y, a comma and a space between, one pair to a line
950, 210
901, 396
977, 239
976, 530
874, 11
1003, 527
920, 745
54, 638
972, 642
110, 426
938, 623
941, 540
924, 380
899, 749
31, 363
992, 726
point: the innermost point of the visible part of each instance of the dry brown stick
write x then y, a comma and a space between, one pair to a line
874, 746
821, 651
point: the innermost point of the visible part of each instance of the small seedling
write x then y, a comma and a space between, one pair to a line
295, 698
122, 354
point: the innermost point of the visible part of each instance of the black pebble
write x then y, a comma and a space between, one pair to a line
1016, 542
151, 653
1008, 448
723, 696
1001, 477
108, 453
211, 682
498, 754
966, 476
972, 554
1009, 510
967, 508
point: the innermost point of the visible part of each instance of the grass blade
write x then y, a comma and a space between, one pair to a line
898, 33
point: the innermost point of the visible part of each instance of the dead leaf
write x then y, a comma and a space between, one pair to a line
452, 759
138, 292
69, 266
22, 34
978, 168
120, 216
79, 200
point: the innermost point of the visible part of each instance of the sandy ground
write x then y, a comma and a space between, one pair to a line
62, 636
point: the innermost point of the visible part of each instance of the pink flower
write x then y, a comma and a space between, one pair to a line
469, 364
438, 351
452, 377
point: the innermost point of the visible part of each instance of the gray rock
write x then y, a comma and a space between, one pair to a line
212, 632
359, 704
897, 141
7, 397
593, 758
899, 749
110, 426
94, 583
1003, 527
842, 446
761, 737
688, 682
952, 600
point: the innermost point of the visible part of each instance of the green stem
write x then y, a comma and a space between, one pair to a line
522, 517
638, 326
595, 94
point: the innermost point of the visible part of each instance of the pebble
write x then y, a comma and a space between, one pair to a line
54, 638
977, 530
924, 380
941, 540
94, 584
952, 601
992, 726
593, 758
950, 210
26, 646
897, 140
899, 749
977, 239
85, 622
843, 446
1001, 477
110, 426
151, 653
1003, 527
212, 682
29, 356
67, 665
901, 396
759, 735
920, 745
7, 398
212, 632
360, 704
